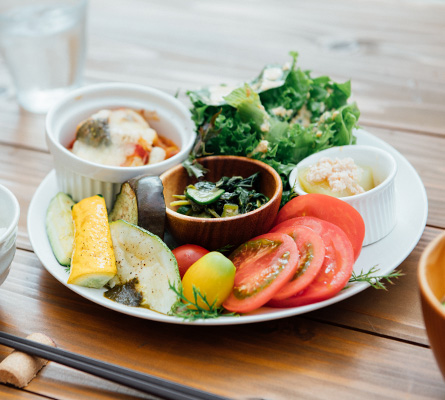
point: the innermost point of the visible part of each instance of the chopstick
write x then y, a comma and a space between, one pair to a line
124, 376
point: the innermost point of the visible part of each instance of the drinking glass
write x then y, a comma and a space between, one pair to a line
43, 45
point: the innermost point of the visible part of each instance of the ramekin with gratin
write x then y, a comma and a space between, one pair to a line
377, 205
80, 177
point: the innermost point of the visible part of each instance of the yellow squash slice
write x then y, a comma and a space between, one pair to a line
93, 263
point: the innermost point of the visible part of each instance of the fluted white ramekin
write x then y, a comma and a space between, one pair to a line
80, 178
376, 206
9, 219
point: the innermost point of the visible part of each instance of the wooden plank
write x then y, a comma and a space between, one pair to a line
10, 393
397, 73
426, 154
395, 312
274, 360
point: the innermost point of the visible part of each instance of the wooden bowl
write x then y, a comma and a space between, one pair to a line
214, 233
431, 277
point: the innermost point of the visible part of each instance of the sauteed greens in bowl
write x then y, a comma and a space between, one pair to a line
280, 117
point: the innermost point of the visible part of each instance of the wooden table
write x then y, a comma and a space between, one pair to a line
371, 345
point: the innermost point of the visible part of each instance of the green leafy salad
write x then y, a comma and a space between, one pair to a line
280, 117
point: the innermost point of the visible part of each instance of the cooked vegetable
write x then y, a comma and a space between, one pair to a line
280, 117
126, 206
141, 202
93, 263
203, 196
209, 281
94, 132
143, 256
59, 227
226, 198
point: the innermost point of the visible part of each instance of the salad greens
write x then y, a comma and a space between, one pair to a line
228, 197
280, 117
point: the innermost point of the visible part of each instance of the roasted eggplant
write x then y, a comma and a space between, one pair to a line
141, 202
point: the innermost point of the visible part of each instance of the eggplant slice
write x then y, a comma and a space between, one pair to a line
141, 202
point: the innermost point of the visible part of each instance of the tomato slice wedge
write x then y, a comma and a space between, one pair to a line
263, 266
330, 209
312, 250
336, 269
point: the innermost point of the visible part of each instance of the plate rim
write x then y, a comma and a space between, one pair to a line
261, 315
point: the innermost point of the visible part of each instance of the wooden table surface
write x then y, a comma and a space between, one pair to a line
372, 345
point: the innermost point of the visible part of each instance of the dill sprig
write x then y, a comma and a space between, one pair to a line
376, 281
191, 310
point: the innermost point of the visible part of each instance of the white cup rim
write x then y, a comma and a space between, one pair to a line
16, 213
85, 90
357, 148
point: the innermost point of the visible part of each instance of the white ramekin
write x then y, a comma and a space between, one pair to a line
376, 206
9, 219
80, 178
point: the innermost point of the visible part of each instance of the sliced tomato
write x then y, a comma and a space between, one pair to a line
336, 269
312, 250
263, 266
329, 209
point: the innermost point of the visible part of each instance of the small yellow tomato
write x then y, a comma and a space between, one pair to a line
212, 276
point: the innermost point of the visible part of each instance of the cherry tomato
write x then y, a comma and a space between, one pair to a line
336, 269
330, 209
312, 252
186, 255
211, 277
263, 265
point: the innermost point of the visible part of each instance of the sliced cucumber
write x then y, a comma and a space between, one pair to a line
142, 255
59, 227
203, 197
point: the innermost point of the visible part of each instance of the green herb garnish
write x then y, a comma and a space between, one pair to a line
182, 310
375, 280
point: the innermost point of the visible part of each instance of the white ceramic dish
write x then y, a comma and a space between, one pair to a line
376, 206
81, 178
9, 219
387, 254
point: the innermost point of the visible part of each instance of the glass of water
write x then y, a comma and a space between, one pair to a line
43, 45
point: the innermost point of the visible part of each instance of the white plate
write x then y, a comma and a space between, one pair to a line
387, 254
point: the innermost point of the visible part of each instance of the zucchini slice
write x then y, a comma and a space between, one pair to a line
143, 256
125, 206
59, 227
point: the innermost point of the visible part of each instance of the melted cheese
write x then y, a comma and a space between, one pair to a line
127, 129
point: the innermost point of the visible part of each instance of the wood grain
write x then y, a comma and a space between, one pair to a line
290, 355
395, 312
372, 345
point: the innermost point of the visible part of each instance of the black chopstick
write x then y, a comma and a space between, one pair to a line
124, 376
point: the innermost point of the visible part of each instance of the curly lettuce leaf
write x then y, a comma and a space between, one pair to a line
280, 125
